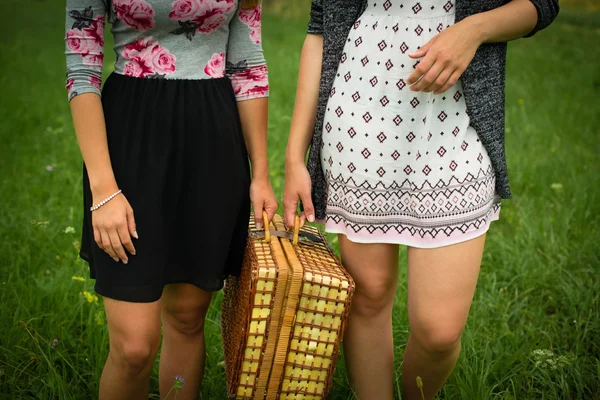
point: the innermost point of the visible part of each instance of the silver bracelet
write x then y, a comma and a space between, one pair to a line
106, 200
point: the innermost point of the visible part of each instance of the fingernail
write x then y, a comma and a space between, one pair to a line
311, 218
125, 261
134, 253
135, 235
116, 259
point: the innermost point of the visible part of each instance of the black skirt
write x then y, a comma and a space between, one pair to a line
178, 154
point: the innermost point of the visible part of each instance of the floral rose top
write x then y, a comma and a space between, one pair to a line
166, 39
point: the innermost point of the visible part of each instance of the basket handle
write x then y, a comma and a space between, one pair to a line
265, 217
296, 230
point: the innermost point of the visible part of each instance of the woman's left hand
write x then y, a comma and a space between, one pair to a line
444, 58
263, 199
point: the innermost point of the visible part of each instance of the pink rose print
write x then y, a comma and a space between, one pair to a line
216, 66
251, 83
161, 60
137, 14
226, 5
138, 48
257, 92
209, 21
69, 85
136, 69
252, 18
85, 39
95, 81
255, 35
256, 74
148, 58
77, 42
204, 16
88, 43
185, 10
96, 31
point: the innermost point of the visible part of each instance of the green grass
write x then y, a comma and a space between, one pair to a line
539, 283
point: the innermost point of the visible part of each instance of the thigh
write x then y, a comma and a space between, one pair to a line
441, 284
133, 327
373, 266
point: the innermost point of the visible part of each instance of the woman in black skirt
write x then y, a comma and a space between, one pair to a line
167, 187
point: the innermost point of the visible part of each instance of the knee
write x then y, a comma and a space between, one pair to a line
371, 299
438, 337
186, 320
134, 356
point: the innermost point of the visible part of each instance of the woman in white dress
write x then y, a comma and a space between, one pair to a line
405, 152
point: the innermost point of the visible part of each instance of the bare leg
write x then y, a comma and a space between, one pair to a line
134, 332
184, 308
441, 284
368, 341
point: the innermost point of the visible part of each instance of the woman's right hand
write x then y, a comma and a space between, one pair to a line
297, 186
114, 226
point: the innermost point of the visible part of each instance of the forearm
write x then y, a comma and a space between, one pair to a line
254, 116
511, 21
307, 98
88, 120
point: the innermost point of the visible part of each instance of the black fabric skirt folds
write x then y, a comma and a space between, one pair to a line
178, 154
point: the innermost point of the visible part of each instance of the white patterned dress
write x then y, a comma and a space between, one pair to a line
402, 167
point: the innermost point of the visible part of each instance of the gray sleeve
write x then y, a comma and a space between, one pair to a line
246, 66
315, 24
84, 40
547, 11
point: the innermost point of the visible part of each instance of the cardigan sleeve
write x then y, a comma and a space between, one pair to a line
547, 11
246, 66
84, 40
315, 24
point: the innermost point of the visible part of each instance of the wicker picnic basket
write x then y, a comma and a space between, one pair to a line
284, 317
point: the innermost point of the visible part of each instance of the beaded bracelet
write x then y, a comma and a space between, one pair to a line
106, 200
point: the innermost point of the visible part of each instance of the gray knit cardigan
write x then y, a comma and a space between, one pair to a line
483, 81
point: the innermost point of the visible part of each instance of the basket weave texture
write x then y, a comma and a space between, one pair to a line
284, 317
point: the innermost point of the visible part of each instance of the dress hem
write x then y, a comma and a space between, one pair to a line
338, 228
152, 299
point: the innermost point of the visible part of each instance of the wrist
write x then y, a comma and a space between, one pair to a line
103, 188
261, 178
478, 28
260, 168
294, 157
260, 173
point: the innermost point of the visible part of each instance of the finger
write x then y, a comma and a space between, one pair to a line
107, 246
422, 51
258, 212
440, 81
421, 69
117, 245
131, 223
271, 208
125, 239
302, 218
429, 78
450, 82
307, 205
290, 207
98, 238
